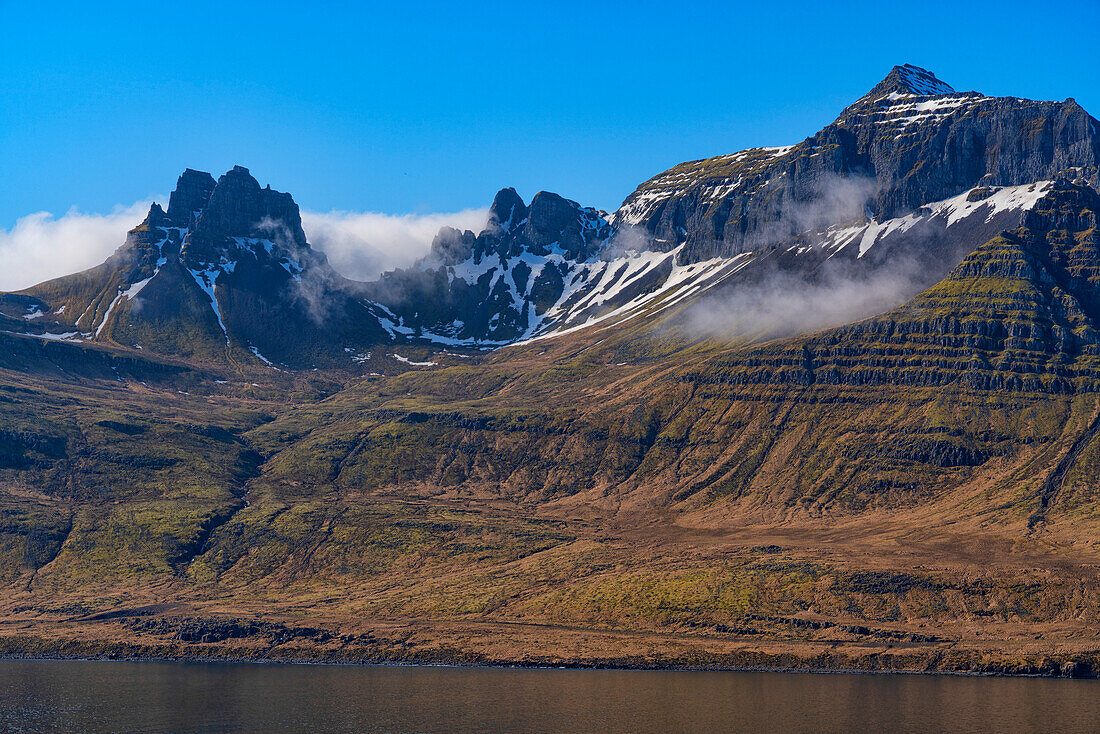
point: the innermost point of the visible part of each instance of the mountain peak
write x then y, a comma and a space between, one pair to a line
156, 216
910, 80
238, 207
507, 210
193, 189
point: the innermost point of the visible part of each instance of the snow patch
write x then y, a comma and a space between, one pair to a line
70, 336
107, 315
262, 358
408, 361
135, 289
205, 279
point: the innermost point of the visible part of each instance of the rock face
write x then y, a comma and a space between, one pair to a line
238, 207
910, 141
193, 189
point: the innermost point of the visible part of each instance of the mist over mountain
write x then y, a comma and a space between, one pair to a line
360, 245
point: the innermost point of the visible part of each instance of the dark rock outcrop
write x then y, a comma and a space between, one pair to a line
554, 220
193, 189
453, 246
238, 207
507, 211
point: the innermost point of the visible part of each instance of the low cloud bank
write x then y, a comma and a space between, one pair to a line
362, 245
786, 304
41, 246
359, 245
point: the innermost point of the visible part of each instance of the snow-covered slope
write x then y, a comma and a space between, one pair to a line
985, 209
613, 285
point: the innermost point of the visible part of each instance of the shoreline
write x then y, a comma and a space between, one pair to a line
302, 657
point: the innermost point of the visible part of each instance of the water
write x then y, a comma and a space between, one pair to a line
62, 696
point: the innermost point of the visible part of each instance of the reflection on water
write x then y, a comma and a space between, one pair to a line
184, 697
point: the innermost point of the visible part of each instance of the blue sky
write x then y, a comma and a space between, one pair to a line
432, 107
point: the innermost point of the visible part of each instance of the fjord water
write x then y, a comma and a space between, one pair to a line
85, 696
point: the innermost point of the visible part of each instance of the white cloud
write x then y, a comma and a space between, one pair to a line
362, 245
41, 246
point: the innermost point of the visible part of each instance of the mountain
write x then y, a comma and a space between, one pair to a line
225, 274
910, 141
526, 267
862, 433
913, 169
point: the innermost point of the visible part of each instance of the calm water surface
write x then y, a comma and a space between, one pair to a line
51, 696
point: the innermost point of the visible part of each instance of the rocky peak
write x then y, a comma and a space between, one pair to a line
193, 189
238, 207
147, 243
504, 282
452, 246
911, 81
550, 221
513, 228
908, 143
553, 219
507, 211
156, 217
